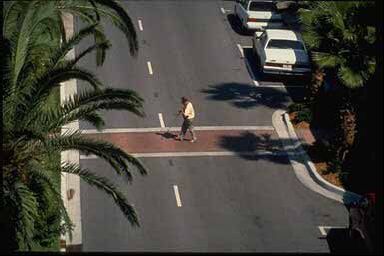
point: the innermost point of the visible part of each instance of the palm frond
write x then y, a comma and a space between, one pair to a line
67, 46
50, 183
326, 60
350, 78
109, 9
105, 185
26, 204
83, 105
116, 157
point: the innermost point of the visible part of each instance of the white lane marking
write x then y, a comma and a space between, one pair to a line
177, 195
222, 10
162, 124
247, 47
193, 154
251, 72
198, 128
325, 233
140, 25
149, 67
241, 50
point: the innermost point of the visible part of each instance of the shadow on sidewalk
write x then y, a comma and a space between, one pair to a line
167, 135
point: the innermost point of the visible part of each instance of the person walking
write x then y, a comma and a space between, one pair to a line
188, 114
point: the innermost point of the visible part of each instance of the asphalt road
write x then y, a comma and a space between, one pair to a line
228, 203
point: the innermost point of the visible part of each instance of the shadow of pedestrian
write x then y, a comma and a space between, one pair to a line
167, 135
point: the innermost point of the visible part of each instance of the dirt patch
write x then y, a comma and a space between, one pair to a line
333, 178
316, 152
300, 125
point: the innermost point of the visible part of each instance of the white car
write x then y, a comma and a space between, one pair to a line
281, 51
258, 14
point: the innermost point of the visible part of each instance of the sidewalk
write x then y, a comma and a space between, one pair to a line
207, 141
309, 137
303, 166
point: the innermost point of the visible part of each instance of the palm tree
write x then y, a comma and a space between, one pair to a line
339, 40
31, 129
36, 27
341, 36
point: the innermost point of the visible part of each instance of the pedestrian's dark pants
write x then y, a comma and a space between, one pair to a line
187, 125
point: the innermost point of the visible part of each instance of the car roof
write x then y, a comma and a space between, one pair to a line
283, 34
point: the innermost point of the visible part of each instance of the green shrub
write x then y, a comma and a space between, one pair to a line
294, 107
304, 115
334, 166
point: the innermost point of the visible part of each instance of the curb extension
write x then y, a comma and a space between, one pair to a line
304, 168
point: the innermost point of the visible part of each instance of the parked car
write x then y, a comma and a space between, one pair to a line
258, 14
281, 51
362, 223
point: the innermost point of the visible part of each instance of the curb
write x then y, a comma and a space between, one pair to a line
304, 168
70, 183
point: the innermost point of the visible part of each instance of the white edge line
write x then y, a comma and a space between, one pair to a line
191, 154
140, 25
322, 231
177, 195
149, 67
162, 124
325, 233
251, 72
159, 129
222, 10
241, 50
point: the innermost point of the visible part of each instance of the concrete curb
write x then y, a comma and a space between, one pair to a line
304, 168
70, 183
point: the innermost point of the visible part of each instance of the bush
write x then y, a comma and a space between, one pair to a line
334, 166
304, 115
294, 107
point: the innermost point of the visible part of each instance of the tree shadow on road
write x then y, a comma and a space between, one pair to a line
248, 96
247, 145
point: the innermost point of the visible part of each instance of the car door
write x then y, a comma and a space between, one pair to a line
241, 10
260, 45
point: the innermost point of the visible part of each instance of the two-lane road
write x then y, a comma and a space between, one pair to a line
214, 202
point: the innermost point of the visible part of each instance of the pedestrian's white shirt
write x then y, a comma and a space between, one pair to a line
189, 112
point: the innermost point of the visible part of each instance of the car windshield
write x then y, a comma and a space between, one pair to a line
262, 6
285, 44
